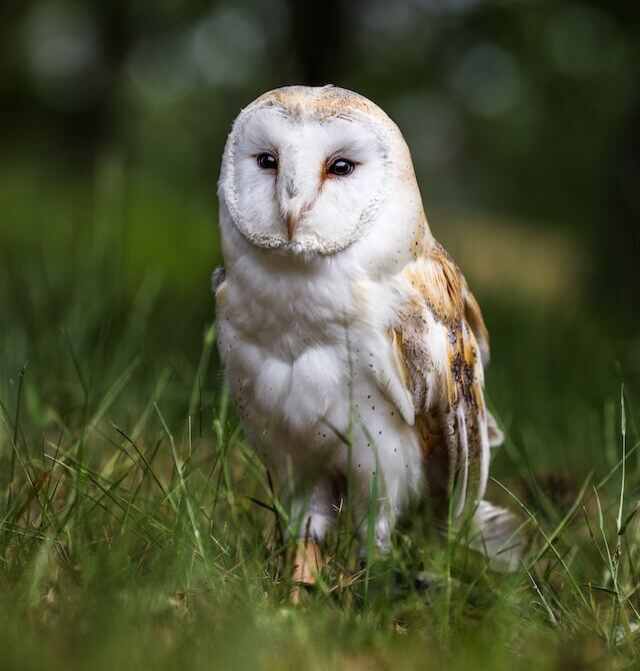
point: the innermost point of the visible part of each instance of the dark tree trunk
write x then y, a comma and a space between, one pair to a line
318, 31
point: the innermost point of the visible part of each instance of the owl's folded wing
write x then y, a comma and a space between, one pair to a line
440, 345
439, 358
475, 320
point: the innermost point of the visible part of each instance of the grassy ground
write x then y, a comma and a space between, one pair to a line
138, 530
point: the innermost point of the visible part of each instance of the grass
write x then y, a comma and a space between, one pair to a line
138, 530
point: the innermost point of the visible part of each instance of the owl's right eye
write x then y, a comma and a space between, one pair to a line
267, 161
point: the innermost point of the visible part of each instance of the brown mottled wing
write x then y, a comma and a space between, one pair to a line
473, 315
474, 318
442, 357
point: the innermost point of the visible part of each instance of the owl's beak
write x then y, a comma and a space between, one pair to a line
292, 224
293, 214
294, 200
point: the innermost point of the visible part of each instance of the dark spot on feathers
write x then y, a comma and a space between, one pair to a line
217, 278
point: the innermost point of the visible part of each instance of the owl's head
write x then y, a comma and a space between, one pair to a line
309, 170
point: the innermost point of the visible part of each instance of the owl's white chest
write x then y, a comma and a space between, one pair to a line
301, 353
284, 340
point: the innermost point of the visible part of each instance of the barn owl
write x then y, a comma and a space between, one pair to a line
352, 344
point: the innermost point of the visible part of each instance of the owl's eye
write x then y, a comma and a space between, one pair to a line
267, 161
341, 167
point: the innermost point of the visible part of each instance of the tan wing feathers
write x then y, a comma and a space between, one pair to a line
438, 282
439, 287
442, 365
473, 315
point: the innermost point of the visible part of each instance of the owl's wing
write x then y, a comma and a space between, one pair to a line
440, 359
475, 320
440, 345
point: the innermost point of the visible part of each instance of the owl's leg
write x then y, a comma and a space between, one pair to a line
307, 563
313, 516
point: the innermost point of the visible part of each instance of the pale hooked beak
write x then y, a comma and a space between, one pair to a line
292, 223
295, 200
293, 213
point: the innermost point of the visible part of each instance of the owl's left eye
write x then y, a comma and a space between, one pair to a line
267, 161
341, 167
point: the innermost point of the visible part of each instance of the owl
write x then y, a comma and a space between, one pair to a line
352, 345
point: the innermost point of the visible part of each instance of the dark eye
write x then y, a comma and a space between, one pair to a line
342, 167
267, 161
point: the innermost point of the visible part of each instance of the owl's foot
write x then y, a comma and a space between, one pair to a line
306, 566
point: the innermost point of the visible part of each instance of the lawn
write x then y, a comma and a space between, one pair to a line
139, 531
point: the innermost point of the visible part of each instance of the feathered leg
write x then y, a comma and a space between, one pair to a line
307, 564
313, 516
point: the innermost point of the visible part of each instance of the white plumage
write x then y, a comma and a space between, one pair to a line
341, 316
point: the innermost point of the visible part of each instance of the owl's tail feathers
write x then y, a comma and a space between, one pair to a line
498, 534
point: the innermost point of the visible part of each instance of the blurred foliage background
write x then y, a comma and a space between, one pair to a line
524, 122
